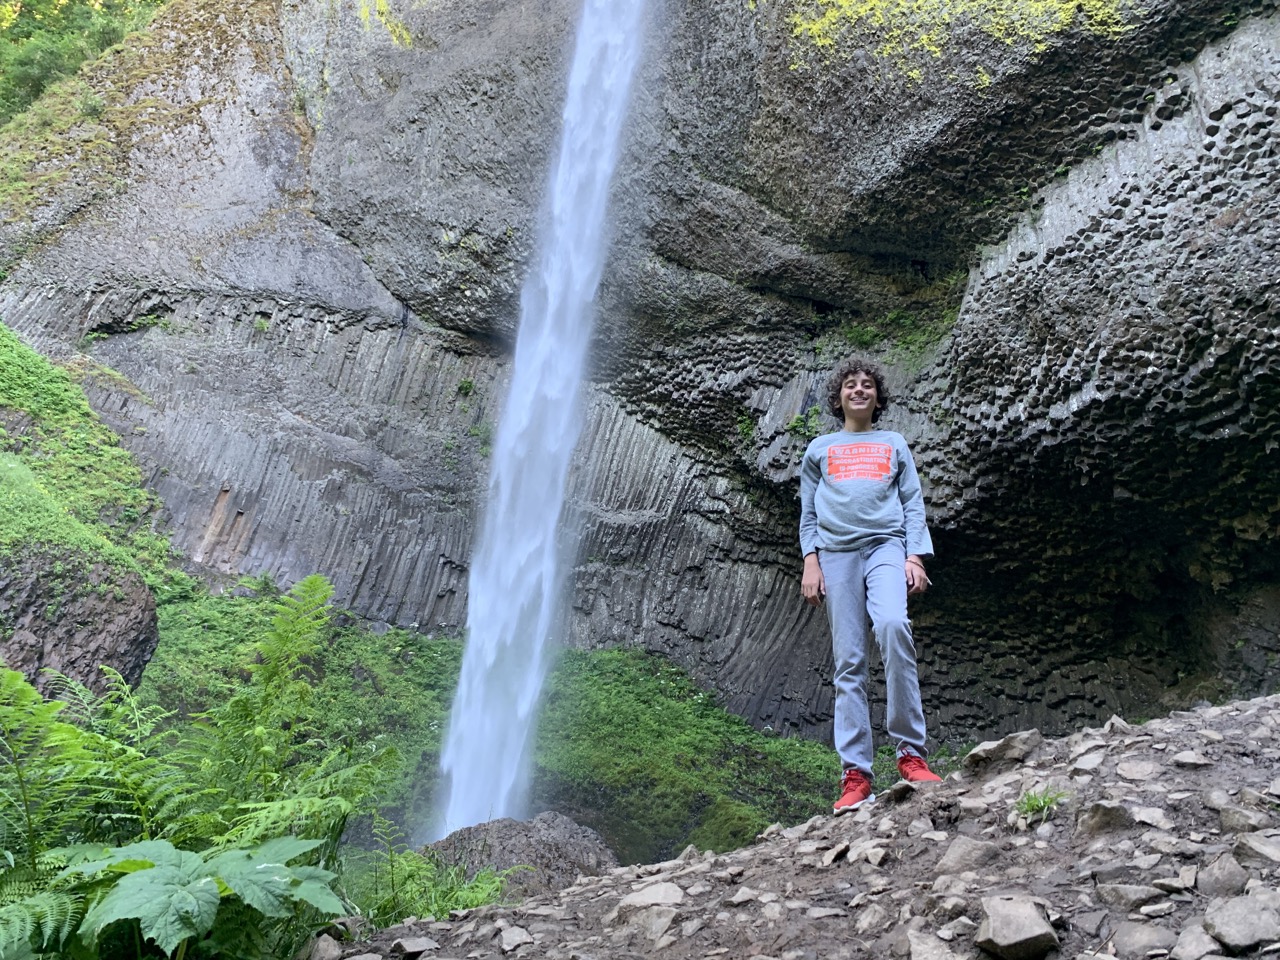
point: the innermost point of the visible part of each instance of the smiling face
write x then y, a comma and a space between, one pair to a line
858, 399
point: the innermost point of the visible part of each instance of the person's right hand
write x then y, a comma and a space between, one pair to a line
813, 586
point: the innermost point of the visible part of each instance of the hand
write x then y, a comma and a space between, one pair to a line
917, 579
813, 586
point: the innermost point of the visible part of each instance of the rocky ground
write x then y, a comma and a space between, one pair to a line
1156, 840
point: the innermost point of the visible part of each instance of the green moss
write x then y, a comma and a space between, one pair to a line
908, 32
904, 334
805, 426
630, 745
381, 10
55, 139
78, 486
32, 519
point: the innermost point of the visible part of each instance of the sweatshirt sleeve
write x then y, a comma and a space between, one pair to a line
918, 540
810, 477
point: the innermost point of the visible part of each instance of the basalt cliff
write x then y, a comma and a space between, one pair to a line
297, 230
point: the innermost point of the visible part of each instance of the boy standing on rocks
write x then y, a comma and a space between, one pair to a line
864, 539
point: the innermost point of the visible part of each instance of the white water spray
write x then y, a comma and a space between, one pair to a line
515, 581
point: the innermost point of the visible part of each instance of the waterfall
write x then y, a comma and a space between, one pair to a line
515, 583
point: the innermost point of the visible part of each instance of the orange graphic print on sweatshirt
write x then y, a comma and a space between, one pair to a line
859, 461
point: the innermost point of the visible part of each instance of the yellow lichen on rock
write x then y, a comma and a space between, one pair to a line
905, 30
381, 9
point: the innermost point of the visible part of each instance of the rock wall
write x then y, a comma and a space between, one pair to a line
310, 265
54, 617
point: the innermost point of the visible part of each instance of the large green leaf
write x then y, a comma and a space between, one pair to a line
313, 887
264, 886
171, 903
284, 849
262, 880
138, 856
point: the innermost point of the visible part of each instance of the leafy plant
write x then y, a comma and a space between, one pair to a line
1039, 804
107, 824
392, 881
805, 426
175, 895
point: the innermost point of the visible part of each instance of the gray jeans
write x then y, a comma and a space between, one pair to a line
867, 594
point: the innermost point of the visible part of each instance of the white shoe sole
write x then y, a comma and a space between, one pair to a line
853, 806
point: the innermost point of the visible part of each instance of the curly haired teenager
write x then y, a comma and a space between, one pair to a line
864, 541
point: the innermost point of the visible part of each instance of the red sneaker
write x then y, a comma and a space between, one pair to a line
914, 768
855, 790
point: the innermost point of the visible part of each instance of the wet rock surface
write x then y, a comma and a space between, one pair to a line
308, 264
56, 615
898, 878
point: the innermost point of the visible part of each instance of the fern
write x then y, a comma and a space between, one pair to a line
98, 773
133, 786
396, 882
44, 770
47, 917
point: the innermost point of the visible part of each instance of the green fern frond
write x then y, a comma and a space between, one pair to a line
300, 617
47, 918
44, 769
306, 817
77, 699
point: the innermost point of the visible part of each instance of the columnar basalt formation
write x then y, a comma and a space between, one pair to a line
307, 261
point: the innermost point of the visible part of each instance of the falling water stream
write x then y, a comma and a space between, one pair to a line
515, 583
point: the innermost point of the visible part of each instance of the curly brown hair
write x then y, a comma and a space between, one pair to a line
843, 372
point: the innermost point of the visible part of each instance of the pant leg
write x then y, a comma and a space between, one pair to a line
847, 614
886, 585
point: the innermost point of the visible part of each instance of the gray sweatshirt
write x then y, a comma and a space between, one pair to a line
858, 490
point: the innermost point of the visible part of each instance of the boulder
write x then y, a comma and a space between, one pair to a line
1015, 928
553, 848
1012, 748
1241, 923
74, 615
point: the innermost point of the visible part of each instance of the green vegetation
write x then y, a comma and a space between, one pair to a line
115, 834
909, 32
626, 743
465, 387
627, 734
912, 334
746, 427
392, 882
42, 41
66, 482
904, 334
125, 824
30, 517
805, 426
1039, 804
394, 687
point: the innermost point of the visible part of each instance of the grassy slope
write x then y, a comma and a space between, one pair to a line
66, 485
70, 497
629, 732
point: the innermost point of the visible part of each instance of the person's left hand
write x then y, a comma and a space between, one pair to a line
917, 579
